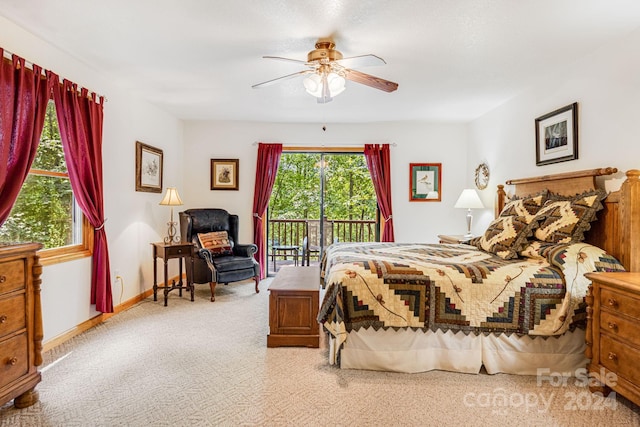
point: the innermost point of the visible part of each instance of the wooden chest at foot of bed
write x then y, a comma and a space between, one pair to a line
613, 333
293, 308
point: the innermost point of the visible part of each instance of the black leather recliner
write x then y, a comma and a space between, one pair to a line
217, 269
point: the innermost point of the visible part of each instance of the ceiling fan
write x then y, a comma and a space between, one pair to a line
327, 72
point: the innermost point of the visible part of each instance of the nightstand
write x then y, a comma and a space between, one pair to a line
453, 238
613, 333
168, 251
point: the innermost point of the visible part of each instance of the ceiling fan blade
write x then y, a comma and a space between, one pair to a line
279, 79
369, 80
361, 61
280, 58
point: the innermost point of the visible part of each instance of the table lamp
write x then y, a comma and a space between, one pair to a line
171, 198
469, 199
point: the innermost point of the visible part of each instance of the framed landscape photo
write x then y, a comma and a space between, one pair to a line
148, 168
224, 174
557, 136
425, 182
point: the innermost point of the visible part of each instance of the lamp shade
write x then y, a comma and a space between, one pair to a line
316, 82
313, 84
171, 198
469, 199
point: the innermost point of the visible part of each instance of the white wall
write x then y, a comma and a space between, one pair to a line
416, 142
134, 219
606, 86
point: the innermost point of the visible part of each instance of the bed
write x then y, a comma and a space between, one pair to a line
515, 306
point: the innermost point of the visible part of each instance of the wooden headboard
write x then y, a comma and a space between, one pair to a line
617, 229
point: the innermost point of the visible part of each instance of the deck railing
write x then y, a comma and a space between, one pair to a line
345, 230
291, 233
287, 232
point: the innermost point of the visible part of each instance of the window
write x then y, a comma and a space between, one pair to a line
46, 210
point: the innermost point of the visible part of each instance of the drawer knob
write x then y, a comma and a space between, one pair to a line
612, 302
613, 356
612, 326
13, 361
3, 318
3, 278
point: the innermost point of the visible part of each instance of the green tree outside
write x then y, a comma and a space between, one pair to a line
348, 189
43, 211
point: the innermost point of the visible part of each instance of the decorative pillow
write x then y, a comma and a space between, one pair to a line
217, 242
505, 236
527, 206
537, 249
564, 220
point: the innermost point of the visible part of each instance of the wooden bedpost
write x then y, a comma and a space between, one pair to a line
500, 200
588, 351
630, 221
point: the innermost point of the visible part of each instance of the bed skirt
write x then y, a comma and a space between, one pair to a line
412, 351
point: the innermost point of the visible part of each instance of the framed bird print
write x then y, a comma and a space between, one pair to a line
425, 182
224, 174
148, 168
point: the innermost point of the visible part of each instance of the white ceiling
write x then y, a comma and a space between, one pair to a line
454, 60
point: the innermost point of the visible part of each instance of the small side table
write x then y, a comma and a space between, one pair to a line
167, 251
284, 250
453, 239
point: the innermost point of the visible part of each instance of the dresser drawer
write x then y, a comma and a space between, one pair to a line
13, 359
620, 328
620, 358
619, 302
176, 251
11, 276
12, 315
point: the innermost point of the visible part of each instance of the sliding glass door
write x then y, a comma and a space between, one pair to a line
334, 187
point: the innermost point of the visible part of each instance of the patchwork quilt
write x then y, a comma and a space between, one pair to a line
457, 288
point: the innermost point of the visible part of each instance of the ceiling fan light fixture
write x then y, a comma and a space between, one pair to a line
315, 85
327, 71
336, 83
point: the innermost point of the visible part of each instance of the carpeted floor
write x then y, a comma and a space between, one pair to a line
205, 364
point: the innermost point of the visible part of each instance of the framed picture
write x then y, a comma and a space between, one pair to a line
557, 136
148, 168
425, 182
224, 174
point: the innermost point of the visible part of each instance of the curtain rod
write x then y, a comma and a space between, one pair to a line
8, 54
314, 144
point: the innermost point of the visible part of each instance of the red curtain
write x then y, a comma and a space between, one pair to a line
24, 94
379, 164
80, 120
266, 170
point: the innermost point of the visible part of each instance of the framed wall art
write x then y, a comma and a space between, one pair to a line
148, 168
425, 182
557, 136
224, 174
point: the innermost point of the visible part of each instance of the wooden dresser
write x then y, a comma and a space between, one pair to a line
613, 333
20, 323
